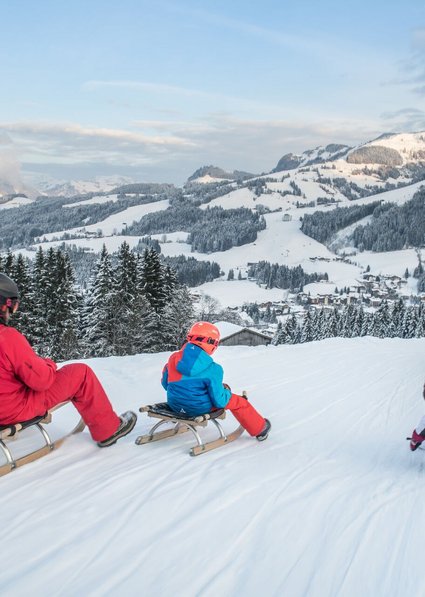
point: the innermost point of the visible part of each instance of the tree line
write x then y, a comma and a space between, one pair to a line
396, 321
398, 227
192, 272
274, 275
210, 229
133, 305
322, 225
20, 227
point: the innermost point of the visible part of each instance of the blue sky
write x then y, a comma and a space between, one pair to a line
155, 90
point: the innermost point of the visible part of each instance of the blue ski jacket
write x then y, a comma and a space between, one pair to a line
194, 382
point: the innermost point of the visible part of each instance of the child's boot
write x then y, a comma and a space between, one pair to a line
416, 440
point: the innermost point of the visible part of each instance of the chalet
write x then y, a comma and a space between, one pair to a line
286, 218
235, 335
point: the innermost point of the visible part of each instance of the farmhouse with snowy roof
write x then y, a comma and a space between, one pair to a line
236, 335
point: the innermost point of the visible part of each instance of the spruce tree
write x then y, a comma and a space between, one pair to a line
125, 291
307, 329
21, 274
152, 280
38, 332
66, 310
176, 319
100, 309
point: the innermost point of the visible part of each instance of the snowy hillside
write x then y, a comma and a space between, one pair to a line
321, 179
330, 505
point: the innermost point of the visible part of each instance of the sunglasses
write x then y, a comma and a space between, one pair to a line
212, 341
12, 304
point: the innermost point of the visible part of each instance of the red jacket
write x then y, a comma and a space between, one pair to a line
23, 375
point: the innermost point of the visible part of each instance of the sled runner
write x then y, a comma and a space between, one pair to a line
182, 423
9, 433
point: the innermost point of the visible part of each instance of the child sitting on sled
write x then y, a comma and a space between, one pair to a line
194, 382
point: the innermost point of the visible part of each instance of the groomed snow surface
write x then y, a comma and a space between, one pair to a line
332, 504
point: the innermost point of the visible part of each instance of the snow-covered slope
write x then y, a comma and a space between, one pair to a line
330, 505
15, 202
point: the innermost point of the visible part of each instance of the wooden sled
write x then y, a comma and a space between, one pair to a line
183, 423
9, 433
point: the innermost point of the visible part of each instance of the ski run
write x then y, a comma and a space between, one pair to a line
331, 505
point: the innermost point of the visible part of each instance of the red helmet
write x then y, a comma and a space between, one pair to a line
205, 335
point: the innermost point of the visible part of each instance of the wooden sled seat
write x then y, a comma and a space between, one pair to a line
183, 422
163, 410
11, 432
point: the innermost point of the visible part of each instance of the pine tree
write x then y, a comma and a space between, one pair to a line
176, 319
171, 282
125, 291
146, 333
100, 309
358, 322
21, 275
66, 310
152, 280
409, 323
278, 337
8, 264
397, 319
37, 331
307, 329
332, 324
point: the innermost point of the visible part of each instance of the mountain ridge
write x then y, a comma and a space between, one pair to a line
400, 152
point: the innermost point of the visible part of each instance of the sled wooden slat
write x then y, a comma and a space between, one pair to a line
32, 456
146, 439
5, 468
9, 435
197, 450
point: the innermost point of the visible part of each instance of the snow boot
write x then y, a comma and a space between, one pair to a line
416, 440
265, 432
128, 421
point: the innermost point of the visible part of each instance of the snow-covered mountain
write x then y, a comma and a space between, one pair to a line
64, 188
210, 174
309, 157
329, 506
389, 149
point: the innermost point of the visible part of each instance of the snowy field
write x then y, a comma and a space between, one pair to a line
329, 506
116, 222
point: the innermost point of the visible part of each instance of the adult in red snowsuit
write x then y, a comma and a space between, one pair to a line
31, 385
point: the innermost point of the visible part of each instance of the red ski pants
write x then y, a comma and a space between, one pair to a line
78, 383
245, 413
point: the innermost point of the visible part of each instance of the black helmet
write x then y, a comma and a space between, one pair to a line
8, 288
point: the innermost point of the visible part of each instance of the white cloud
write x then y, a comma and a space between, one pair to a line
178, 147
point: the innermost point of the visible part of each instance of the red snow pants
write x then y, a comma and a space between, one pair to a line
78, 383
245, 413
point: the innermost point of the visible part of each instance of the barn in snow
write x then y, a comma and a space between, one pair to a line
235, 335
